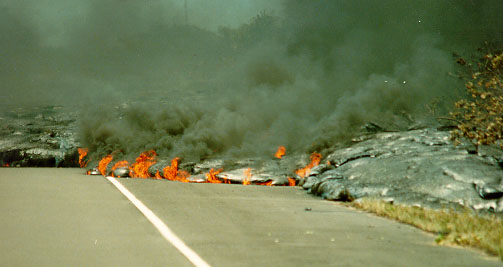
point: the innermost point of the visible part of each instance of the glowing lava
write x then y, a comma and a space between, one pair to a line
281, 152
247, 174
211, 176
315, 161
268, 183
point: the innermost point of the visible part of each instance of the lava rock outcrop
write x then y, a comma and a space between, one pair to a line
38, 137
418, 167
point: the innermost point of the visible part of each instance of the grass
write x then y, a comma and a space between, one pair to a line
464, 228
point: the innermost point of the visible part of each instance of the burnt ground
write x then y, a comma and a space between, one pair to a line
419, 167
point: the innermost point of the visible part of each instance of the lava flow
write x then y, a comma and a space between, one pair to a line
268, 183
248, 175
211, 176
315, 161
120, 164
140, 169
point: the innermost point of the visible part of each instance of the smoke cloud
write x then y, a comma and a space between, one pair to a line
234, 79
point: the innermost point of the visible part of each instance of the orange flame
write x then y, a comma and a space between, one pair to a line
281, 152
82, 153
6, 165
139, 169
103, 164
169, 172
315, 161
247, 173
211, 176
120, 164
268, 183
172, 173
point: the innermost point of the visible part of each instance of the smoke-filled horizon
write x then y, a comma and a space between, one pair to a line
304, 74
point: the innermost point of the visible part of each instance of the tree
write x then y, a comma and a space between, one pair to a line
480, 115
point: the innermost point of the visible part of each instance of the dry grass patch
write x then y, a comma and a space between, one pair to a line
463, 228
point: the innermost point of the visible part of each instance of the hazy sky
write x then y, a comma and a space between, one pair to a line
213, 13
55, 18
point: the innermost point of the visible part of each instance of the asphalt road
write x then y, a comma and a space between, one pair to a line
61, 217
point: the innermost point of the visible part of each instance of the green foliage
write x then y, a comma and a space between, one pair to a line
480, 116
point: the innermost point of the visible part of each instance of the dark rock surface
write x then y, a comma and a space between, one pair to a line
418, 167
38, 137
121, 172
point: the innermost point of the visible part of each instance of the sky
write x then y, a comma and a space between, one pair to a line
54, 18
216, 13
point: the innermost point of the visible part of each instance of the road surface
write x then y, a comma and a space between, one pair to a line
61, 217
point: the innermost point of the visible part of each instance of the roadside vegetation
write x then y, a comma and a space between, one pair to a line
464, 228
479, 117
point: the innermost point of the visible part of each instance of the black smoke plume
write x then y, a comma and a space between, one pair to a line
306, 76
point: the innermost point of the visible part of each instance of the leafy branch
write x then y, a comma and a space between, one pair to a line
480, 116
